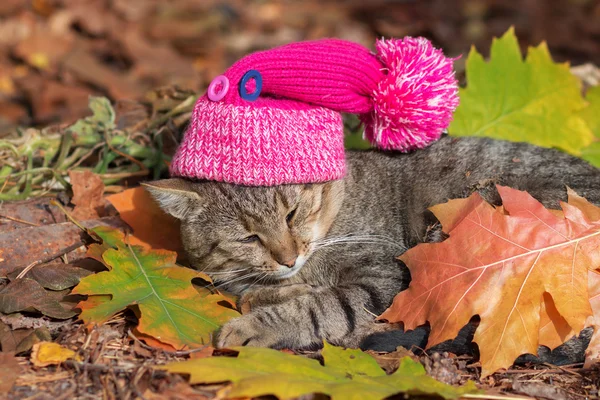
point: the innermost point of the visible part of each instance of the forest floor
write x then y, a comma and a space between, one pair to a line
54, 54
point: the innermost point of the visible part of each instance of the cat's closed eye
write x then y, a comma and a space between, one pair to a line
250, 239
289, 218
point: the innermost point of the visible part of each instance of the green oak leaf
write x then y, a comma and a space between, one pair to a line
172, 310
347, 374
591, 115
536, 100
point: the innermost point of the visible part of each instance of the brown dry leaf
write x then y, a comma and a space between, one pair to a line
9, 372
181, 391
88, 68
26, 294
499, 266
54, 275
49, 353
88, 189
390, 362
152, 341
207, 351
140, 211
44, 50
21, 340
21, 247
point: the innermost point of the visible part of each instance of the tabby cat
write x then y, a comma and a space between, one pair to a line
319, 261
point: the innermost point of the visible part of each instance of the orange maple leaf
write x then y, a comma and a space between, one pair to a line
498, 263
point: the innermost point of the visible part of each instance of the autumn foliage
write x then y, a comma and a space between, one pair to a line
499, 263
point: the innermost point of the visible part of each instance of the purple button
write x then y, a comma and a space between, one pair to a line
221, 80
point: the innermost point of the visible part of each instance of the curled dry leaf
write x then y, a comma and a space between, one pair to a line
88, 189
499, 264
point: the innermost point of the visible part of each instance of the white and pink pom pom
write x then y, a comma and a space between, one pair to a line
415, 101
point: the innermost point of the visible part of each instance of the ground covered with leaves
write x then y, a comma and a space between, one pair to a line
55, 53
87, 312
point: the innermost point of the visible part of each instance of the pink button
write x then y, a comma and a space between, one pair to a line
221, 80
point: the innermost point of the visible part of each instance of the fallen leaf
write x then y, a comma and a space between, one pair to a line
207, 351
347, 374
181, 391
591, 115
50, 353
152, 342
390, 361
536, 100
88, 189
21, 247
592, 353
451, 213
140, 211
499, 266
9, 372
26, 294
172, 310
54, 275
21, 340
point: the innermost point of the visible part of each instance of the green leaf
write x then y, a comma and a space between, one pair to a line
347, 374
591, 115
172, 310
536, 100
103, 117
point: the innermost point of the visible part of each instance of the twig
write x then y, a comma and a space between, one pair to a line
97, 367
73, 220
493, 397
555, 370
19, 220
61, 252
127, 156
569, 371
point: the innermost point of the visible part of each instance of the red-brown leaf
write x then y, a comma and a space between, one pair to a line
499, 266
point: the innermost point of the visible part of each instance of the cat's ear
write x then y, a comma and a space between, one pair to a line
175, 196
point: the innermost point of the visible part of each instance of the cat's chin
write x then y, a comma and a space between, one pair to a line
285, 272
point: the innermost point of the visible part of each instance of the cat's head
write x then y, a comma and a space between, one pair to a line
231, 231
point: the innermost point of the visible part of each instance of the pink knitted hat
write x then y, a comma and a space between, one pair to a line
274, 116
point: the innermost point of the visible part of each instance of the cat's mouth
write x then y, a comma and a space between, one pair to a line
284, 272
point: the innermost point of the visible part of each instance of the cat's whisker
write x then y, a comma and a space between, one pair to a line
227, 272
364, 239
258, 279
356, 237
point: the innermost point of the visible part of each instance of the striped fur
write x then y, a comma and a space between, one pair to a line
345, 234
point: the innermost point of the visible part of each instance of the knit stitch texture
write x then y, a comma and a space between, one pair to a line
293, 133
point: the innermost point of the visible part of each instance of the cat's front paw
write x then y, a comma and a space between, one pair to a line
247, 330
267, 296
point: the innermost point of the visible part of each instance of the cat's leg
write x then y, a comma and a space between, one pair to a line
342, 315
269, 295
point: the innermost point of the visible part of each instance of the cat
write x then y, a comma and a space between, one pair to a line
319, 261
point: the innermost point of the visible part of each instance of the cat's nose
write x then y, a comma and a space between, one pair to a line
290, 263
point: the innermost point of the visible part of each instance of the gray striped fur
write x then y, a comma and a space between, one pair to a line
362, 222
